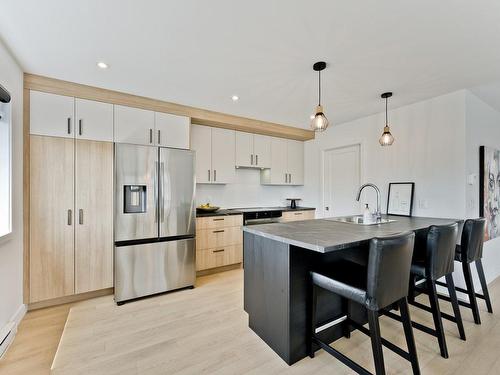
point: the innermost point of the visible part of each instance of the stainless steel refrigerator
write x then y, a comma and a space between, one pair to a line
154, 220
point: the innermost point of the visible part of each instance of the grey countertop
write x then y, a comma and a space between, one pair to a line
325, 235
239, 211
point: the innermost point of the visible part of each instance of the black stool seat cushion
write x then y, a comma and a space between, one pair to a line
344, 278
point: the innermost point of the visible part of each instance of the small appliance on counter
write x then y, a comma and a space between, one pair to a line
293, 202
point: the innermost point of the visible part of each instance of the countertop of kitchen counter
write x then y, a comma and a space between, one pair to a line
325, 235
239, 211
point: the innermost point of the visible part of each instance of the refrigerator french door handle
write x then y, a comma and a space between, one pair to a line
162, 192
155, 194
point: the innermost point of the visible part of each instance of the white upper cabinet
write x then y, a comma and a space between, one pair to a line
201, 142
134, 125
244, 149
172, 130
295, 162
93, 120
287, 163
262, 150
223, 157
52, 115
253, 150
215, 155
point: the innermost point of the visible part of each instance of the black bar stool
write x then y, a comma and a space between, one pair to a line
383, 283
433, 259
471, 250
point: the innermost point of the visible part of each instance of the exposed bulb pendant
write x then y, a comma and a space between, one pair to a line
386, 139
319, 122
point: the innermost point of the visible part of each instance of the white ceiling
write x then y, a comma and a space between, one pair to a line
200, 53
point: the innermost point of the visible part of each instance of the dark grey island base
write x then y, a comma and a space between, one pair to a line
277, 259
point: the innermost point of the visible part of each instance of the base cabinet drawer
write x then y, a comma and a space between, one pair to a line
212, 238
298, 215
218, 257
216, 222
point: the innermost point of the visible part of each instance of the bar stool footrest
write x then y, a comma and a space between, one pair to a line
341, 357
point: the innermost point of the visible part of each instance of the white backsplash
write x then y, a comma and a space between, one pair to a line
246, 191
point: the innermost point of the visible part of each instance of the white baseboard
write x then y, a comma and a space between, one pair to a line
8, 332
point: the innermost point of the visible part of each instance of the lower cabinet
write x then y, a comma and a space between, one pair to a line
298, 215
219, 241
71, 217
93, 216
52, 255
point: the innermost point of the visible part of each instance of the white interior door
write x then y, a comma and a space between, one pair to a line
342, 178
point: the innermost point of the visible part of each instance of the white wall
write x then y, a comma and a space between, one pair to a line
428, 150
11, 249
246, 191
482, 129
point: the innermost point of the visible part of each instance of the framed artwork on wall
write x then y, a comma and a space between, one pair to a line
489, 190
400, 198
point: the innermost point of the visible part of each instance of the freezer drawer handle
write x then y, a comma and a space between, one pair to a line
218, 231
218, 251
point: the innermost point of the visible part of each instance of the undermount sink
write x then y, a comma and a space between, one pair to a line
359, 220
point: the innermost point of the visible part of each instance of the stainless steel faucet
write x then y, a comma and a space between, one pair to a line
378, 214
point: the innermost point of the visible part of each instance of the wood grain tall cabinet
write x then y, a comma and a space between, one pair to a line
71, 195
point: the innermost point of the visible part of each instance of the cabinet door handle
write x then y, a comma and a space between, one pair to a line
80, 216
289, 178
218, 251
297, 213
209, 175
251, 159
256, 159
150, 135
218, 219
80, 127
286, 178
215, 174
70, 216
69, 125
218, 231
159, 142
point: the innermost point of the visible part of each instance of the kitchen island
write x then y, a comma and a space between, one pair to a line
277, 259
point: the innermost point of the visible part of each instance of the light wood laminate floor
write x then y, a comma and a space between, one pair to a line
204, 331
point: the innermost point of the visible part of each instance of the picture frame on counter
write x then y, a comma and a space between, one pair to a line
400, 198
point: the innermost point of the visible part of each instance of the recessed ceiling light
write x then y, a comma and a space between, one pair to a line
102, 65
235, 98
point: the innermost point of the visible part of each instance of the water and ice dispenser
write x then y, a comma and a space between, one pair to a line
134, 199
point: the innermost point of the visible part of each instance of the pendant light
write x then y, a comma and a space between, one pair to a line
386, 139
319, 122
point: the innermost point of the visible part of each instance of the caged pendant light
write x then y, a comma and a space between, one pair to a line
319, 122
386, 139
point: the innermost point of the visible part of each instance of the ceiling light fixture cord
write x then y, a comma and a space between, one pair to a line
319, 87
386, 111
